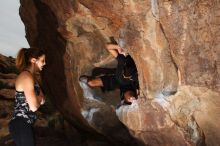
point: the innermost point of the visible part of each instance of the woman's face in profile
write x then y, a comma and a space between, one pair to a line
40, 62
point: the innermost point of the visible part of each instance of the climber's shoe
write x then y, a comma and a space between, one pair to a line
84, 78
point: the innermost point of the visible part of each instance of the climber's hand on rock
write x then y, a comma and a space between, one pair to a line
123, 51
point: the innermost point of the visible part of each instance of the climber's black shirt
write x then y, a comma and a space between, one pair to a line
116, 80
126, 84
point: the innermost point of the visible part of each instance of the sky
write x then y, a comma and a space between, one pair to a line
12, 31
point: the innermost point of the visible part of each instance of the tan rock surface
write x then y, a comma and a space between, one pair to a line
163, 37
192, 30
152, 125
197, 110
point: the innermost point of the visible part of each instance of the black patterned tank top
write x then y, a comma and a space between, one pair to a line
21, 107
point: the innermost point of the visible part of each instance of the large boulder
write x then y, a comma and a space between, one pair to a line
8, 82
7, 64
172, 43
8, 74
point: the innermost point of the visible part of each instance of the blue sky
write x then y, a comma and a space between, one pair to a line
12, 31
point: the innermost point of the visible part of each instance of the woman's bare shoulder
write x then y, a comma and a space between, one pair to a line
24, 77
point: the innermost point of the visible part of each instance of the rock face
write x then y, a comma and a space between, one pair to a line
192, 30
7, 79
175, 45
8, 73
7, 64
196, 109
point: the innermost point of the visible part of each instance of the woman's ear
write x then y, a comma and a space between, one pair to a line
33, 60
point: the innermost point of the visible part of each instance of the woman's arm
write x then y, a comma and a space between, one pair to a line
27, 83
41, 97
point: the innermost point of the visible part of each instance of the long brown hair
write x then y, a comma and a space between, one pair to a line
24, 56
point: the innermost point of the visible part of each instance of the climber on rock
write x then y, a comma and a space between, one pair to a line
125, 76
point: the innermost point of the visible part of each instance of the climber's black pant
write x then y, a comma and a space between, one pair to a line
109, 83
21, 132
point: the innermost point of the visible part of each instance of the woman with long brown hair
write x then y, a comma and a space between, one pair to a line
28, 95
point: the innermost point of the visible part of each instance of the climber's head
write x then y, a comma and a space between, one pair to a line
129, 97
